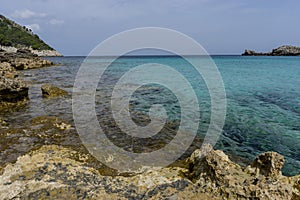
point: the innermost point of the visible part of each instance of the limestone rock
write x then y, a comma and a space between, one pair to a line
249, 53
269, 164
219, 176
280, 51
48, 53
52, 91
7, 71
56, 172
24, 59
286, 51
12, 90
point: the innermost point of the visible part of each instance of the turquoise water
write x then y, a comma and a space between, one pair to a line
263, 100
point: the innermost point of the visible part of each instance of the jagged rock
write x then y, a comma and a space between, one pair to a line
280, 51
249, 53
52, 172
7, 71
286, 51
23, 59
12, 90
269, 164
55, 172
216, 174
52, 91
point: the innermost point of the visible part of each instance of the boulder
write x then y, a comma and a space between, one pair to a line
269, 164
7, 71
12, 90
52, 91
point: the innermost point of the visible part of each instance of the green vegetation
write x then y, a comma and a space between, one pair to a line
12, 34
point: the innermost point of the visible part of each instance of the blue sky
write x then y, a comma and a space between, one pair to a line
75, 27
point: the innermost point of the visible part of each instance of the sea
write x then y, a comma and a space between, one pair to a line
262, 99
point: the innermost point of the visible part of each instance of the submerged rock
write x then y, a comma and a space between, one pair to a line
52, 91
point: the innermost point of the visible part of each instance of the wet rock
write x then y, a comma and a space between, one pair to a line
12, 90
52, 91
3, 123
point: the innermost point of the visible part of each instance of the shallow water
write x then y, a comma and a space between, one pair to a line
263, 101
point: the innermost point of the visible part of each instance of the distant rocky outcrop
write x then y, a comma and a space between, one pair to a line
280, 51
41, 53
14, 37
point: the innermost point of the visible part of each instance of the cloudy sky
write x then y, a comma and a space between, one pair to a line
74, 27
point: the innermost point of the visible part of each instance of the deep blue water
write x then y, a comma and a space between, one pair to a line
263, 99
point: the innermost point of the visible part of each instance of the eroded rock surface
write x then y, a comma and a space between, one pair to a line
55, 172
24, 59
14, 91
52, 91
280, 51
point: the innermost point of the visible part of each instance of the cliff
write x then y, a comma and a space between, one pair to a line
14, 37
280, 51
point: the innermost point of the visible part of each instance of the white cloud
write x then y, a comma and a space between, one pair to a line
34, 27
26, 14
56, 21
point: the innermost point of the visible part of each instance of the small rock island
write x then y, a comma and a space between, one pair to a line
280, 51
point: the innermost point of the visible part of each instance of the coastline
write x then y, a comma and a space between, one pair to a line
45, 160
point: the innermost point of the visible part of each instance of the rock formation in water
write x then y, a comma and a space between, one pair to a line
52, 91
14, 90
280, 51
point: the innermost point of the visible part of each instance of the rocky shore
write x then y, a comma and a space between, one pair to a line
280, 51
41, 53
56, 172
13, 90
45, 159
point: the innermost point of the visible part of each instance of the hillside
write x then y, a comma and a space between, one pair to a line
19, 37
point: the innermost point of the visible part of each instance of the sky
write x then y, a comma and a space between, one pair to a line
75, 27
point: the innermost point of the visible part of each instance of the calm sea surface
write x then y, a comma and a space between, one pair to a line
263, 100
